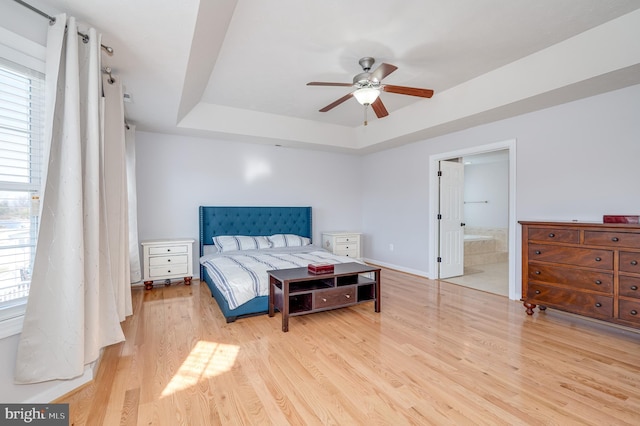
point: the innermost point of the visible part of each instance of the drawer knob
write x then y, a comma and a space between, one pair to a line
169, 271
634, 287
348, 296
634, 262
168, 250
538, 252
598, 259
324, 300
615, 239
598, 305
634, 312
551, 235
598, 282
537, 272
168, 260
537, 291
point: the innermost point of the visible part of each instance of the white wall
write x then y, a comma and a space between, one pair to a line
574, 161
176, 174
486, 182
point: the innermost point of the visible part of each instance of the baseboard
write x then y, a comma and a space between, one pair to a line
398, 268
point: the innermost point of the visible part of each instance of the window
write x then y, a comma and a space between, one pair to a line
21, 151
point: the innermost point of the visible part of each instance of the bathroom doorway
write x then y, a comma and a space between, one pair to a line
489, 217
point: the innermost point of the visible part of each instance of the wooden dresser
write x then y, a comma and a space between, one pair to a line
590, 269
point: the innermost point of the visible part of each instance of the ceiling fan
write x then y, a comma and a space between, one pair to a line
368, 85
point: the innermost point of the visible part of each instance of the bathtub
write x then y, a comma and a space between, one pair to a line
473, 237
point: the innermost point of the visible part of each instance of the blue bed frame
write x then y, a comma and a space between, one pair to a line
253, 221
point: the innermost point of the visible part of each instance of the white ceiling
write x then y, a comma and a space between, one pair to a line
237, 69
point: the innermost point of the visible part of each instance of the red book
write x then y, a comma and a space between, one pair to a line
621, 219
320, 268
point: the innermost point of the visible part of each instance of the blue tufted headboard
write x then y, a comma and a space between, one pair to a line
221, 220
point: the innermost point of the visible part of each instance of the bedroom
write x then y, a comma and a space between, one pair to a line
574, 161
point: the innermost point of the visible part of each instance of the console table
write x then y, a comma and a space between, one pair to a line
296, 291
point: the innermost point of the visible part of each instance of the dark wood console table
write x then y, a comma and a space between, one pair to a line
296, 291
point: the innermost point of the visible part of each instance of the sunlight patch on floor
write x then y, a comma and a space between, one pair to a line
207, 359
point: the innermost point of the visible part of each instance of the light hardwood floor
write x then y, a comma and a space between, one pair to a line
438, 353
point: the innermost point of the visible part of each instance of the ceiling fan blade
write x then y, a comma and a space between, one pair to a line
336, 103
412, 91
322, 83
382, 71
379, 109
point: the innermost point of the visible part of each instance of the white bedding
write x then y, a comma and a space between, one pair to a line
242, 275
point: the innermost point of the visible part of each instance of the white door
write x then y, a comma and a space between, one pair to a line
451, 220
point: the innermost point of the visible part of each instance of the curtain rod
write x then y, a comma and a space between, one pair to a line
52, 20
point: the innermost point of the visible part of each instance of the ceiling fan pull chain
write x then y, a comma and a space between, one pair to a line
365, 114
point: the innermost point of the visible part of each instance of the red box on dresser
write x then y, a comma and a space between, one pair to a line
610, 218
320, 268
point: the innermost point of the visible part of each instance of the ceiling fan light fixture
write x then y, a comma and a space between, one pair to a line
366, 95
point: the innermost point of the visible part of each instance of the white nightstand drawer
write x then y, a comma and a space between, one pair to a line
348, 253
168, 249
347, 239
345, 247
165, 271
168, 260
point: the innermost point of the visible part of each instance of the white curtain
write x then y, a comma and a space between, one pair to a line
80, 290
134, 245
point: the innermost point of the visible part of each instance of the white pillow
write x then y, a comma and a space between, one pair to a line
240, 242
288, 240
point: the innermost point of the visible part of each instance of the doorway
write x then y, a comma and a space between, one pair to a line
491, 229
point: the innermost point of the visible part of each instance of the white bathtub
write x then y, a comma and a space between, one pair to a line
472, 237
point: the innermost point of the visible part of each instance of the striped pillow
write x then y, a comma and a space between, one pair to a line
288, 240
240, 242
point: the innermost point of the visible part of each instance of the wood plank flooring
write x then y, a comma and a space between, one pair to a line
437, 354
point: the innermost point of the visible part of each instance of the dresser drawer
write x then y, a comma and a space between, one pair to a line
582, 279
168, 260
341, 239
350, 250
163, 271
629, 262
591, 258
157, 250
612, 239
557, 235
629, 311
579, 302
629, 286
334, 297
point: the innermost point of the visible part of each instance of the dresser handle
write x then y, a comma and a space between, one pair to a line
169, 271
348, 296
537, 291
598, 305
324, 300
634, 287
598, 282
551, 235
634, 312
168, 260
537, 272
615, 239
598, 259
634, 262
538, 252
169, 250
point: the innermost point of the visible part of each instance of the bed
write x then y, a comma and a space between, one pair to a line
224, 270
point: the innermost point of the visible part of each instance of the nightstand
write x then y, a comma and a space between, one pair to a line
167, 259
343, 243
